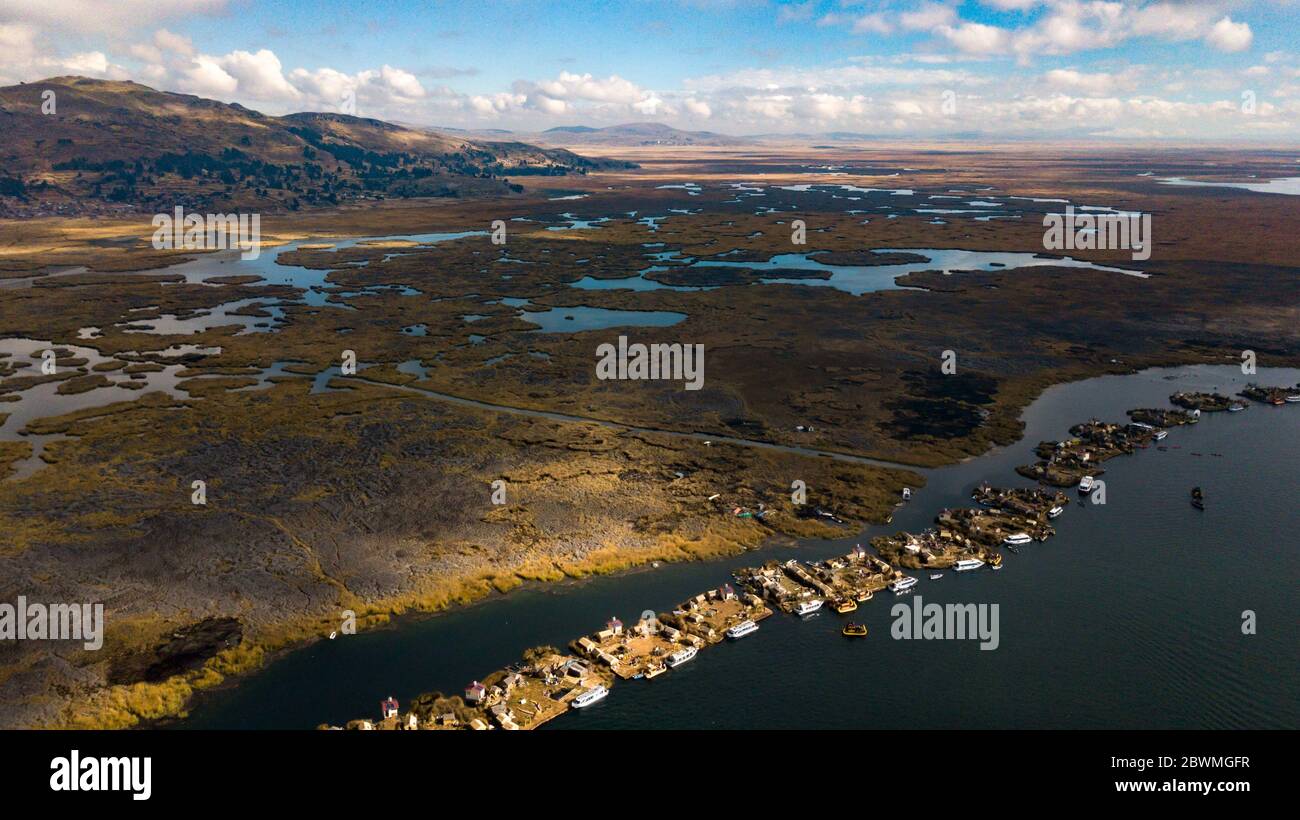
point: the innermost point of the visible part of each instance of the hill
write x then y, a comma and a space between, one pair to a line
633, 134
114, 146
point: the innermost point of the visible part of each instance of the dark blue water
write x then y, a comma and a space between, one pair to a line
1129, 618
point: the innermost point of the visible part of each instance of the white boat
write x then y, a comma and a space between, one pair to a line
934, 576
808, 607
1159, 435
595, 694
1055, 511
902, 584
1293, 399
1236, 408
1017, 539
681, 656
333, 635
742, 629
996, 567
967, 564
1086, 484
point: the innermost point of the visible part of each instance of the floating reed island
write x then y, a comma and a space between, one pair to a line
1206, 402
548, 682
1272, 395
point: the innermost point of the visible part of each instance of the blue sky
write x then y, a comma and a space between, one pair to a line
1137, 69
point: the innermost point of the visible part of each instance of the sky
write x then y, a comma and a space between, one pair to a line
1008, 69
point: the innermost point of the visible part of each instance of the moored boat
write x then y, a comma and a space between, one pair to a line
595, 694
742, 629
1017, 539
808, 607
1086, 484
846, 606
967, 564
1055, 511
681, 656
902, 584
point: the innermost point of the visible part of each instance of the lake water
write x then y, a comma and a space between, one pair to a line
1288, 186
1129, 618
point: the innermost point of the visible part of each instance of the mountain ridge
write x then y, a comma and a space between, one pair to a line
118, 145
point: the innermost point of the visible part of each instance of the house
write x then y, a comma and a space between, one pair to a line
475, 692
726, 592
614, 626
575, 669
388, 708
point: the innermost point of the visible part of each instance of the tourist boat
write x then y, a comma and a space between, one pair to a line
808, 607
1017, 539
902, 584
1055, 511
967, 564
853, 630
845, 606
595, 694
1292, 399
742, 629
1086, 484
1159, 435
654, 671
681, 656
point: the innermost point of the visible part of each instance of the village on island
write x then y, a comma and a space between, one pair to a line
547, 682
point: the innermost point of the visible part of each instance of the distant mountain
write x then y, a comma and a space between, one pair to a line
111, 146
634, 134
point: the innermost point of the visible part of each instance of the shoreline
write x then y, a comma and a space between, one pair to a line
633, 568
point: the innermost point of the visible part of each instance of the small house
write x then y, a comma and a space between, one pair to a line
475, 692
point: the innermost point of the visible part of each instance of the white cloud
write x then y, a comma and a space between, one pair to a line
97, 16
796, 12
697, 108
1096, 84
976, 38
1229, 36
927, 16
872, 24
